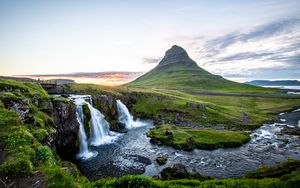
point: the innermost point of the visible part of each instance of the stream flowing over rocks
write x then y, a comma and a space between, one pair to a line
132, 152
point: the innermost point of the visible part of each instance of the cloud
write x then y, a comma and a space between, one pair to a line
261, 32
255, 53
149, 60
244, 56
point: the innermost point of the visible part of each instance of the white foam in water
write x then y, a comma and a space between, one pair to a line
292, 92
296, 110
283, 120
298, 125
126, 118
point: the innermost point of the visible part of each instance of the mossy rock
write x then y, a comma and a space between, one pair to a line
161, 160
87, 118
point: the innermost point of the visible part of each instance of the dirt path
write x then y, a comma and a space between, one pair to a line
199, 92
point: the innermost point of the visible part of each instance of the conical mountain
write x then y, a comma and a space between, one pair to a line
178, 71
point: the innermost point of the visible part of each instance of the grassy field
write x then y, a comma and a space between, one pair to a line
231, 111
188, 139
26, 156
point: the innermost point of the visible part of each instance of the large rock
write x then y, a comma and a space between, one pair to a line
179, 171
65, 139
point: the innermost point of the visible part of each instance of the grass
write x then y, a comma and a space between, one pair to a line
89, 89
275, 171
187, 139
25, 153
245, 113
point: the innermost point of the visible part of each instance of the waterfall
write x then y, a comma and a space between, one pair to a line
99, 131
84, 152
99, 127
126, 118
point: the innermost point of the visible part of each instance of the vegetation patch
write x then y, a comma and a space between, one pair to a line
44, 153
19, 137
17, 167
275, 171
188, 139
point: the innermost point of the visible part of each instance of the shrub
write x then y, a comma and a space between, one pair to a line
17, 167
44, 153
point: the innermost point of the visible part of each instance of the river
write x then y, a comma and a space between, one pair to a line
132, 153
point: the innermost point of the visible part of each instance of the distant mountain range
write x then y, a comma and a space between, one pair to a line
274, 83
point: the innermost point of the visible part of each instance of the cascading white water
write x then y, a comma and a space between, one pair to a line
126, 118
99, 131
84, 152
99, 127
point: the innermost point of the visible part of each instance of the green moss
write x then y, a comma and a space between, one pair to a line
20, 136
187, 139
8, 118
39, 134
43, 120
26, 88
60, 177
17, 167
1, 104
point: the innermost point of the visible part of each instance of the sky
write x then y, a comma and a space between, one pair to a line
240, 40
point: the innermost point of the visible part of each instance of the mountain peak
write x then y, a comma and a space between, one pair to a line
174, 55
175, 52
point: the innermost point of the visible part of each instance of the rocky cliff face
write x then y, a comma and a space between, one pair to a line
65, 139
107, 105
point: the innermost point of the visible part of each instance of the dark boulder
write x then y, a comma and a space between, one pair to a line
179, 171
161, 160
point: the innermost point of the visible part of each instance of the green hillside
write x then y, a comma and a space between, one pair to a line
178, 71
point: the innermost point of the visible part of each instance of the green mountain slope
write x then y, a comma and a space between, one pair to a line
178, 71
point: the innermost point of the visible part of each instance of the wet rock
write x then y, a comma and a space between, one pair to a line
161, 160
118, 127
177, 171
156, 141
190, 143
291, 131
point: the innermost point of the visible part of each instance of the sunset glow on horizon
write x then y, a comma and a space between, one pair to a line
105, 79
